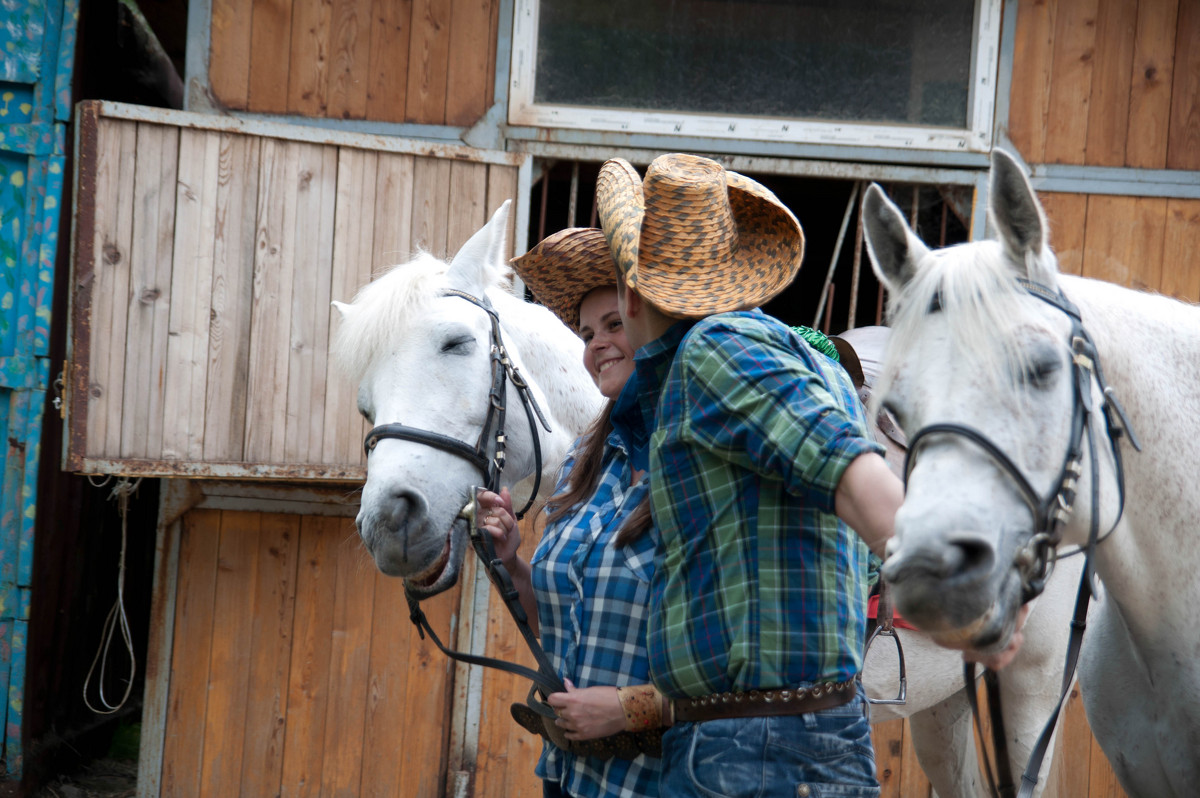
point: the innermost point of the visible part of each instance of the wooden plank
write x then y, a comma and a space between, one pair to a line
387, 723
229, 670
523, 749
387, 79
1072, 771
270, 648
183, 745
1124, 240
394, 197
229, 56
350, 59
428, 61
308, 333
1070, 93
1108, 112
354, 231
1067, 216
502, 185
270, 315
308, 64
113, 245
185, 377
1183, 140
888, 738
468, 198
269, 72
308, 674
349, 665
1181, 243
469, 70
1150, 90
150, 296
427, 696
496, 775
1029, 98
232, 289
431, 205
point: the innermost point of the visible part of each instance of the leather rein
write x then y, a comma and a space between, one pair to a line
1035, 559
487, 455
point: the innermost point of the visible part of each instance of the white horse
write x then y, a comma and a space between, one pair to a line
974, 348
420, 356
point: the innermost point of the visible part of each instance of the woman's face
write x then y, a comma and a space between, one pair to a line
607, 356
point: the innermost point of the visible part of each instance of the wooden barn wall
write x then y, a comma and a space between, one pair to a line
256, 234
1146, 243
406, 61
1107, 83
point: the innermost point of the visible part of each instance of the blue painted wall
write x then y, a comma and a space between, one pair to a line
37, 45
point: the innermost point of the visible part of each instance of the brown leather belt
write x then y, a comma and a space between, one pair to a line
759, 703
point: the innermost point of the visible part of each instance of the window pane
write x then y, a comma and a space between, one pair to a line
895, 61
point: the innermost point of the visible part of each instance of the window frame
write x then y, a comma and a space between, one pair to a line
976, 137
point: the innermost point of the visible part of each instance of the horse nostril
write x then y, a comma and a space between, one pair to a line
401, 506
975, 556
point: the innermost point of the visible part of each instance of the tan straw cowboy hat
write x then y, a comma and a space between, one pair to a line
694, 239
565, 267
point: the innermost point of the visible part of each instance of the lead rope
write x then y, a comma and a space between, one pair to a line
116, 619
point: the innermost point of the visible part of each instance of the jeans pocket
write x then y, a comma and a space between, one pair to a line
723, 759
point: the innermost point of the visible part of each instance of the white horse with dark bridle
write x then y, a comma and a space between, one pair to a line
419, 348
1005, 375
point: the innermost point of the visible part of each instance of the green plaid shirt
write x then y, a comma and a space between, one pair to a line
758, 584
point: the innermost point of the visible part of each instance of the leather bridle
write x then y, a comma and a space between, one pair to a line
488, 456
1050, 513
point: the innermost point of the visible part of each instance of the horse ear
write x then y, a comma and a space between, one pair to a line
893, 248
343, 308
480, 262
1016, 213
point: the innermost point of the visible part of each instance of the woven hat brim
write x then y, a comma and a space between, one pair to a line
767, 256
564, 267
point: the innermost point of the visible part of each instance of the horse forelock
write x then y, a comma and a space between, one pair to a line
384, 309
974, 287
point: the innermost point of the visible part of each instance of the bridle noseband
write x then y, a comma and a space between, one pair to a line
487, 455
1050, 515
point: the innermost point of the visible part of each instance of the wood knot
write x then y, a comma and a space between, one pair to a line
148, 295
112, 255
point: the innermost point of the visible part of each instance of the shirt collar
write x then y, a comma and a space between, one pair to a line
651, 364
630, 430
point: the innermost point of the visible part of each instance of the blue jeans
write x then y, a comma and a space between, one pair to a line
814, 755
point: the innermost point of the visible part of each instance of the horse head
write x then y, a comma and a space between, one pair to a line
980, 376
424, 357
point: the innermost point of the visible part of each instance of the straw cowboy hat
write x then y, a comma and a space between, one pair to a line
694, 239
565, 267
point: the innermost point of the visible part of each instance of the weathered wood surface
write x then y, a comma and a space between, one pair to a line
1107, 83
430, 62
203, 284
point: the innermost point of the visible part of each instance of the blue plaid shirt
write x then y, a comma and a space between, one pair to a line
592, 607
759, 585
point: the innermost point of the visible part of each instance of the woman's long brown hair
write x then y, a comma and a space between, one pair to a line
586, 475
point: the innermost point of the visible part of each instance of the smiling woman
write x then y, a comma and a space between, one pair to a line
607, 355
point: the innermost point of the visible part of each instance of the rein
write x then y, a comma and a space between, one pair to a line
487, 455
1050, 514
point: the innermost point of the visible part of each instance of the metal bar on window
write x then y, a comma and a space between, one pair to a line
827, 287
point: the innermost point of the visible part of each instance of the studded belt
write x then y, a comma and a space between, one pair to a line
758, 703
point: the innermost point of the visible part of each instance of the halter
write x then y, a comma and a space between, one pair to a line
1050, 513
487, 455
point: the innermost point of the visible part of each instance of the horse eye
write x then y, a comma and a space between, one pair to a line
458, 345
1041, 373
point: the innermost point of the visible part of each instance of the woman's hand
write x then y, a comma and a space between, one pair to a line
588, 713
495, 515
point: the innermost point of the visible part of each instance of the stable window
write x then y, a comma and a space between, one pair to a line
916, 74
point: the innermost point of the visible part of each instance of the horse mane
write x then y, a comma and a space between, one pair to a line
974, 286
380, 311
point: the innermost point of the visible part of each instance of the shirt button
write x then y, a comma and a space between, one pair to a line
803, 791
